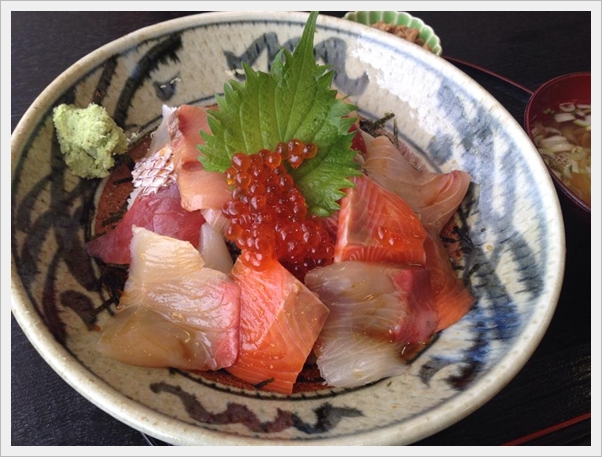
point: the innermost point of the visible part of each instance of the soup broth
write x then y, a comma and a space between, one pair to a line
562, 135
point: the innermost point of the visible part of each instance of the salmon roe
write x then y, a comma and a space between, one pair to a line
268, 214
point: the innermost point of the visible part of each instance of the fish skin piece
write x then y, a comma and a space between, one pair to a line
173, 312
279, 323
368, 206
152, 173
199, 189
435, 197
376, 310
160, 212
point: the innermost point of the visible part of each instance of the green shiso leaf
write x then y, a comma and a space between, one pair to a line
293, 100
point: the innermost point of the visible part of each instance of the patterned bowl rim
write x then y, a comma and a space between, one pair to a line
156, 424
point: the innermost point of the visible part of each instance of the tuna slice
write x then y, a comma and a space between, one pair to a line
376, 310
377, 225
452, 299
280, 320
200, 189
435, 197
174, 312
161, 213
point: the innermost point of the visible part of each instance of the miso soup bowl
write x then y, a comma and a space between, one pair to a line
573, 87
513, 264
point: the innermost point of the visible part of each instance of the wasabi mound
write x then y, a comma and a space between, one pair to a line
89, 139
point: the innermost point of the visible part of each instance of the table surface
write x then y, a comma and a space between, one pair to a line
547, 403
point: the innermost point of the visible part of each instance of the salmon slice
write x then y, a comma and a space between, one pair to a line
199, 189
376, 310
160, 212
435, 197
377, 225
452, 299
174, 312
280, 320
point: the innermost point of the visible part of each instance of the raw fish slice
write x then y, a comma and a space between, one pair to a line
161, 213
376, 310
354, 360
214, 250
200, 189
435, 197
358, 144
387, 301
452, 299
279, 323
216, 219
160, 137
143, 337
174, 312
377, 225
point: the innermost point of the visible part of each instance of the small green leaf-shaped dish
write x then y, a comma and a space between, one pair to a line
427, 34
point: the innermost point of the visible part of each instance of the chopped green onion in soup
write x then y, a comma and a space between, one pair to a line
563, 137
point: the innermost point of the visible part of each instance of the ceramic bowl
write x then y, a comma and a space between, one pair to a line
570, 88
513, 264
398, 18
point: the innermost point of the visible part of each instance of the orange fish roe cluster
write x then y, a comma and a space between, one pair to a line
295, 151
268, 214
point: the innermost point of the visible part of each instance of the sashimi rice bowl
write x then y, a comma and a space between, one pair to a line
280, 228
